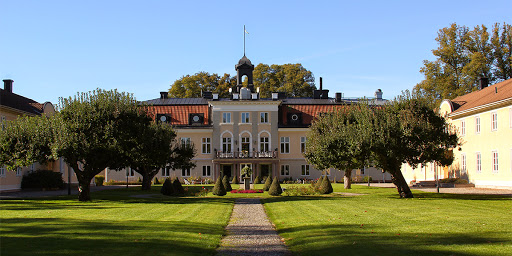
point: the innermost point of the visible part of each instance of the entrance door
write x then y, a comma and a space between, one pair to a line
266, 170
226, 171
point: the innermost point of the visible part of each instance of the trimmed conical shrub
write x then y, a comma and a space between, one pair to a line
257, 180
226, 184
218, 189
325, 187
318, 183
235, 180
167, 189
268, 182
275, 188
178, 188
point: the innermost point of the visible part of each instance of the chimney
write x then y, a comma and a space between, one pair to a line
482, 82
320, 83
164, 95
338, 97
8, 84
378, 94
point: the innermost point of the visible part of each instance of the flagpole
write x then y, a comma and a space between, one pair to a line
244, 40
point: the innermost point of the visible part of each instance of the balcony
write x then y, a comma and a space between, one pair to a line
245, 154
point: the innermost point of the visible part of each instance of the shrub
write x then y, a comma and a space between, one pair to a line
257, 180
275, 188
268, 182
226, 184
365, 179
318, 183
218, 189
300, 191
325, 187
98, 180
42, 179
156, 181
139, 180
235, 180
177, 187
167, 189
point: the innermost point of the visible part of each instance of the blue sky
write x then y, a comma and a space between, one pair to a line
55, 49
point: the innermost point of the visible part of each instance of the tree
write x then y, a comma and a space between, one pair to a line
268, 183
462, 57
155, 148
405, 130
219, 189
325, 187
225, 183
275, 188
340, 140
293, 79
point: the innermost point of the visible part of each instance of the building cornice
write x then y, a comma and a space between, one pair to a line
244, 105
482, 108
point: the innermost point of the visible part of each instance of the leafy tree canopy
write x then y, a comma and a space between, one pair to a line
293, 79
464, 55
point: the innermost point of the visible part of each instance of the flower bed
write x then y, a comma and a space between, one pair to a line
247, 191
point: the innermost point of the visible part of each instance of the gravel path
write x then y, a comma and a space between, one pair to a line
250, 232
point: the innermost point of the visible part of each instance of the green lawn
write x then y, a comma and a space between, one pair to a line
131, 222
115, 223
379, 223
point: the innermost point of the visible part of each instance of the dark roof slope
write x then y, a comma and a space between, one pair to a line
493, 93
15, 101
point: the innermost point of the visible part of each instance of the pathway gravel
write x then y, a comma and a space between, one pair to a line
250, 232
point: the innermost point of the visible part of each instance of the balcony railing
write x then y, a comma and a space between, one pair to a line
245, 154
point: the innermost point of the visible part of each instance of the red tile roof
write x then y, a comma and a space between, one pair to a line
309, 112
490, 94
180, 113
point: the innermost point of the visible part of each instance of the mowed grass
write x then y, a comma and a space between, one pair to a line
116, 222
379, 223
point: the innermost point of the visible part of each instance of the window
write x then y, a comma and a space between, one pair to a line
206, 146
303, 144
226, 145
33, 167
18, 171
285, 170
166, 171
305, 170
494, 121
130, 172
495, 165
478, 162
477, 125
510, 117
264, 144
463, 127
264, 117
226, 118
463, 163
185, 142
285, 145
207, 170
185, 172
246, 117
2, 171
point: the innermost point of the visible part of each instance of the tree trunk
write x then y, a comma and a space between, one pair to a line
146, 180
84, 189
347, 179
401, 185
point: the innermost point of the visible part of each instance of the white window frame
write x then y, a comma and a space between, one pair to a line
285, 170
206, 145
207, 171
494, 121
264, 117
463, 127
130, 172
226, 117
245, 117
186, 141
185, 172
227, 145
264, 144
477, 125
18, 172
2, 171
166, 172
303, 141
478, 157
463, 160
285, 145
304, 170
495, 162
